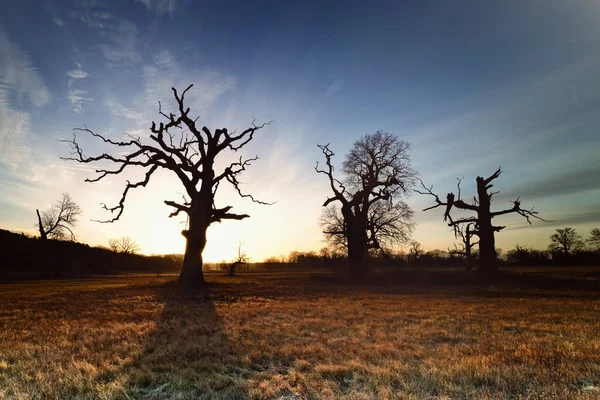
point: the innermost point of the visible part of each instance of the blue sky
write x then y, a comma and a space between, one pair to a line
471, 84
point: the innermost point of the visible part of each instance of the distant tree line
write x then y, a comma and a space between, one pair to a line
22, 256
566, 247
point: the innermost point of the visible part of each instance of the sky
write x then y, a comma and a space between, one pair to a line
472, 85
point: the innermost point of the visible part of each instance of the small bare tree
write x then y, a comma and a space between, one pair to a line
124, 245
191, 157
415, 250
59, 221
594, 239
481, 206
466, 246
242, 258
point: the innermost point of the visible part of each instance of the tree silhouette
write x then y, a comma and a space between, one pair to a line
376, 170
465, 233
59, 221
124, 244
415, 251
481, 206
388, 224
566, 241
594, 239
191, 158
240, 259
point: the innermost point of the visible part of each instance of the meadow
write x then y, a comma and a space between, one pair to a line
301, 335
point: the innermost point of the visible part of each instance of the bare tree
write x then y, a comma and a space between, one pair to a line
377, 169
594, 239
241, 258
388, 224
465, 233
415, 250
481, 206
334, 228
190, 156
566, 241
59, 221
124, 244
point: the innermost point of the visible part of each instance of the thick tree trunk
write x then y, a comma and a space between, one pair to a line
487, 252
43, 234
468, 258
357, 253
191, 271
356, 238
487, 245
356, 258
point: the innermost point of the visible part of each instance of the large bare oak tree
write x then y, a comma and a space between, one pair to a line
190, 156
481, 206
376, 170
388, 224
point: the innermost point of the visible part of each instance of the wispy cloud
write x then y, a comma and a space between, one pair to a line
52, 9
165, 72
335, 87
77, 97
120, 110
120, 44
20, 83
14, 129
576, 216
572, 182
160, 6
18, 74
91, 18
77, 74
521, 120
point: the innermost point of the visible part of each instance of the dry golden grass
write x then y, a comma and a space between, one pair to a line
286, 336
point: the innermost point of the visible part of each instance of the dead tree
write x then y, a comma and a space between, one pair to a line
190, 156
481, 206
466, 250
125, 245
59, 221
415, 251
241, 259
377, 169
43, 234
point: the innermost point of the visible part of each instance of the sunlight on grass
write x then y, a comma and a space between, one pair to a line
260, 337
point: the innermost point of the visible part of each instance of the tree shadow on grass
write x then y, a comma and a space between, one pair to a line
187, 354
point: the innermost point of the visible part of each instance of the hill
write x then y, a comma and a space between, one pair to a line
22, 256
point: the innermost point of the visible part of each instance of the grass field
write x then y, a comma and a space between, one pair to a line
296, 336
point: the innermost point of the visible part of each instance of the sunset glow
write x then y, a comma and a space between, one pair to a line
517, 94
